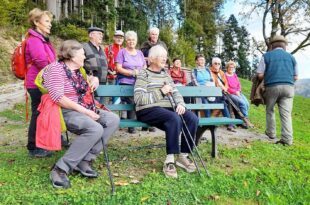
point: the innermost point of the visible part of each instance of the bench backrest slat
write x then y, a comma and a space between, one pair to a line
199, 91
116, 107
115, 91
186, 91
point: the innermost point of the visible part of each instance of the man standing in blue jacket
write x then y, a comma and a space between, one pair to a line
278, 68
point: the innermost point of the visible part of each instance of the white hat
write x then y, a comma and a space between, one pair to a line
119, 33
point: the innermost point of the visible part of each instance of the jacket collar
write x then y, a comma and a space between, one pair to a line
37, 34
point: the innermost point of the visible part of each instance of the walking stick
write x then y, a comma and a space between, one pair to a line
105, 150
172, 100
245, 119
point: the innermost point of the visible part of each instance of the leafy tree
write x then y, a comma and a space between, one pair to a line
199, 27
243, 53
236, 46
230, 39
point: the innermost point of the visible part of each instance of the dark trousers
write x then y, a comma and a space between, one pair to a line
170, 122
35, 96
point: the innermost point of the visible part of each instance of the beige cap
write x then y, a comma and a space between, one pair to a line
278, 38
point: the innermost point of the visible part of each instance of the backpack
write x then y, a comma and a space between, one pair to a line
18, 61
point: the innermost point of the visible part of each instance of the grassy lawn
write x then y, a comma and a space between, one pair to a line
256, 173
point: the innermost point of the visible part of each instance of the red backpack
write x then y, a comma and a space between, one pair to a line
18, 61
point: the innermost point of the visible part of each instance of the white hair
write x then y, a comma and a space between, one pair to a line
131, 34
216, 59
157, 51
155, 29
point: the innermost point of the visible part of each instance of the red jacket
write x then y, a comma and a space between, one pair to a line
178, 76
111, 52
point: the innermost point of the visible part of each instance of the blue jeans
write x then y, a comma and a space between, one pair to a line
242, 103
207, 112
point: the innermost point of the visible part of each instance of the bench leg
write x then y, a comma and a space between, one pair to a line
199, 134
214, 143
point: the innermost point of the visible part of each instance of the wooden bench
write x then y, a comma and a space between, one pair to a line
205, 123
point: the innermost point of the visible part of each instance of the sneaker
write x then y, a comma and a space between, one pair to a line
186, 163
59, 178
40, 153
131, 130
85, 168
170, 170
284, 143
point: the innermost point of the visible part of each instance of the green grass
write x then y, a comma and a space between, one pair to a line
256, 173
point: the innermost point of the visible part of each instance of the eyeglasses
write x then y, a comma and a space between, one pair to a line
217, 63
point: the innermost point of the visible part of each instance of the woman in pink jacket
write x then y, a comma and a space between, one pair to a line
39, 53
234, 88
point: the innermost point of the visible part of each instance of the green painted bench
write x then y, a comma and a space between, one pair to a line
189, 91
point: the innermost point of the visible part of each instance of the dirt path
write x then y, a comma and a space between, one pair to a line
225, 137
10, 94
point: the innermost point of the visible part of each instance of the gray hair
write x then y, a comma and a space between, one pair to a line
216, 59
131, 34
68, 49
154, 29
156, 51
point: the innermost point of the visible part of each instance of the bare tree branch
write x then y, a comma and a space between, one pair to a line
303, 44
267, 8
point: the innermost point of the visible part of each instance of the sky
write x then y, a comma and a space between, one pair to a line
254, 27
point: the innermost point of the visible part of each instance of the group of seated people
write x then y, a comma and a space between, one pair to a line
201, 75
68, 86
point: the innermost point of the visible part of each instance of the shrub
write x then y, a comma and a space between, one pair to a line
70, 31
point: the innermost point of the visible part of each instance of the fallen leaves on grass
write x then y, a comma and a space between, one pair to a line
121, 183
134, 181
143, 199
214, 197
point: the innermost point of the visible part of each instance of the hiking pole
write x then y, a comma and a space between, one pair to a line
190, 136
190, 150
105, 151
244, 119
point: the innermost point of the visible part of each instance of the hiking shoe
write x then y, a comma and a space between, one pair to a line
150, 129
231, 129
186, 163
59, 178
40, 153
85, 168
131, 130
170, 170
284, 143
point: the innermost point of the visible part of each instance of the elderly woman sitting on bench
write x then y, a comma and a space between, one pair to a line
67, 86
152, 87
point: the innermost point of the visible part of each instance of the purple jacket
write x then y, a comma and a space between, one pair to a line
39, 53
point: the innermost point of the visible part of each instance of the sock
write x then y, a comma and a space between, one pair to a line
183, 155
169, 158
